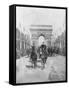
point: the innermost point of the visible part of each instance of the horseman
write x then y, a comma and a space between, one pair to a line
43, 54
43, 48
33, 56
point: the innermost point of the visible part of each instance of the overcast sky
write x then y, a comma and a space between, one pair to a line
25, 16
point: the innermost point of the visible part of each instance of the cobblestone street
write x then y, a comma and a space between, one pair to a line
54, 70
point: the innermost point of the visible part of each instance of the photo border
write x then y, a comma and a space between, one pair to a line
39, 6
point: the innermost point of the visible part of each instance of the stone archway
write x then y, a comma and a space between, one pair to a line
41, 30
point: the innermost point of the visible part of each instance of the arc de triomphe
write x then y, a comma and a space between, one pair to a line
41, 30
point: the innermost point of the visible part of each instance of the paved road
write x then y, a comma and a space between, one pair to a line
54, 70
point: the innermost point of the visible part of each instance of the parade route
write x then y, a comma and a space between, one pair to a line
54, 70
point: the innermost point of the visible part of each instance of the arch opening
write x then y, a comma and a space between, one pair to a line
41, 39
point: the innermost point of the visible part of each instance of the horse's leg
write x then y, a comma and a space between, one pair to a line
34, 64
42, 64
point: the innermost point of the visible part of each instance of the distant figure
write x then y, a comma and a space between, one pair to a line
43, 46
50, 51
28, 52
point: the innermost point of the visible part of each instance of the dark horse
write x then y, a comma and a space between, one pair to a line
33, 57
43, 55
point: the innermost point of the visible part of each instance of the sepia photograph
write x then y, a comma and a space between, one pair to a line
40, 44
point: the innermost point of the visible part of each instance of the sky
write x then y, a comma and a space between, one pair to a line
26, 16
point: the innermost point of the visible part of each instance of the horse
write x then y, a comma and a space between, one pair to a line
33, 58
43, 56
